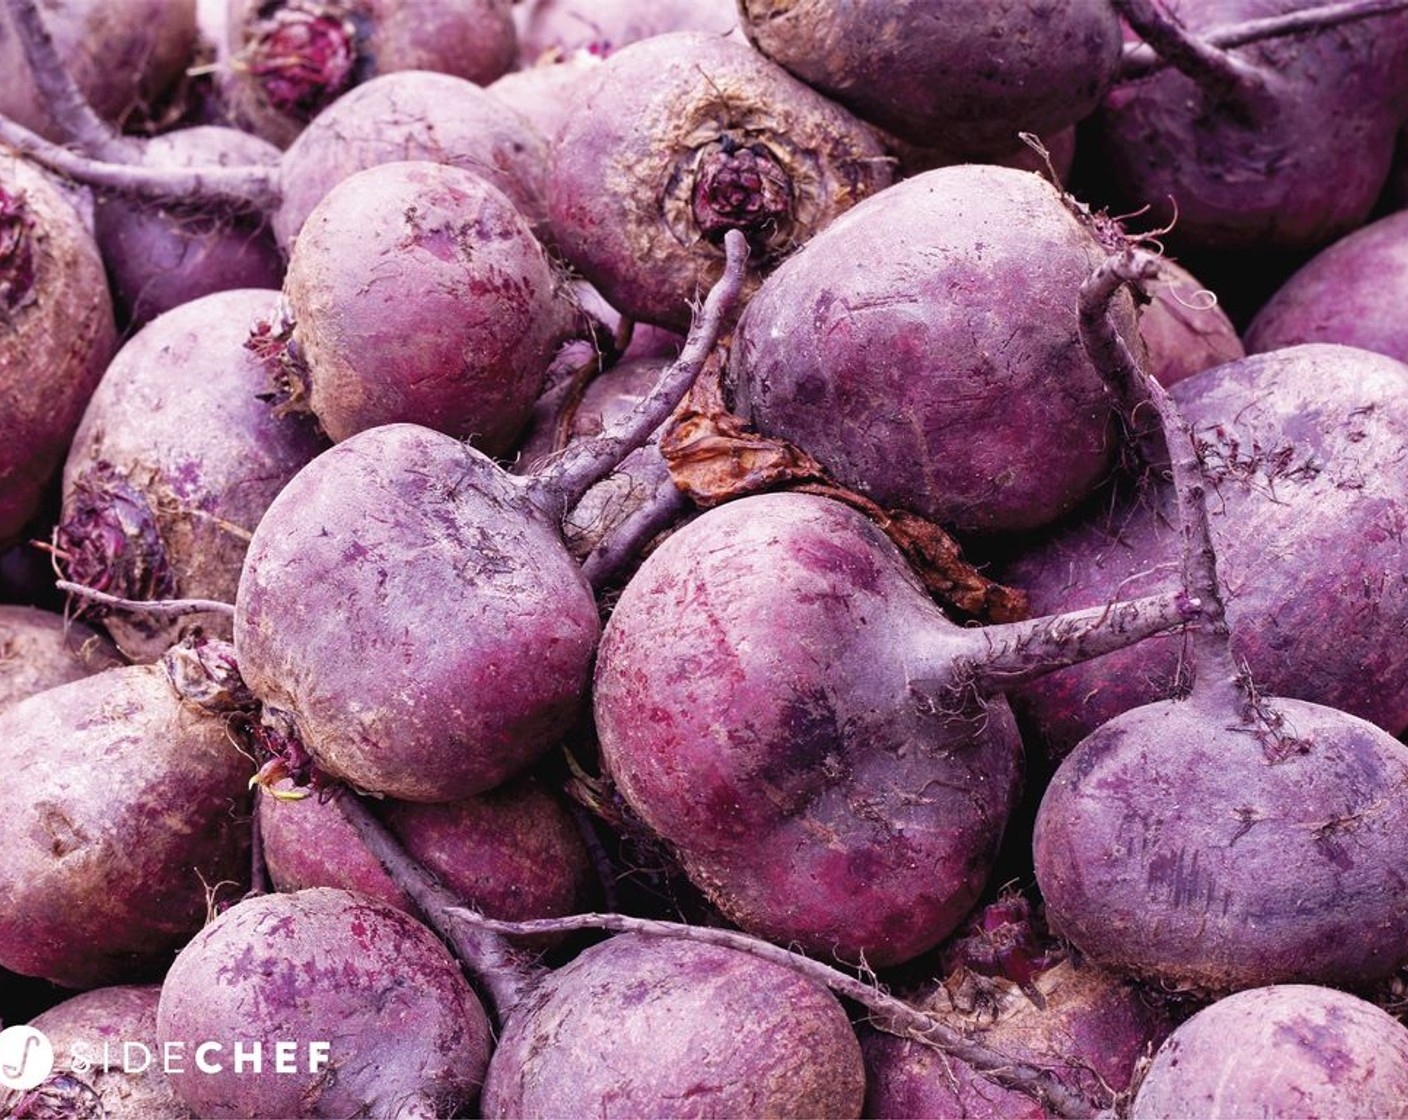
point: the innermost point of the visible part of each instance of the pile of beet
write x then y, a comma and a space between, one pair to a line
703, 558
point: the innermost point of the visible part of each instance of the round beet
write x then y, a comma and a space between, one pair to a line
648, 1026
1351, 293
967, 77
418, 114
363, 1007
677, 138
1290, 1050
124, 816
1184, 328
173, 466
56, 334
417, 293
40, 649
553, 30
290, 59
87, 1033
924, 348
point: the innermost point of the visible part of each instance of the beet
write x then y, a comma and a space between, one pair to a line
646, 1026
120, 819
173, 465
924, 348
58, 334
40, 649
778, 698
550, 30
418, 115
88, 1033
290, 59
1227, 838
679, 137
1184, 328
1297, 443
473, 625
417, 293
1289, 1050
1350, 293
965, 77
326, 982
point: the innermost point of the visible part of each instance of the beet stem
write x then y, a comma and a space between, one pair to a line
1215, 668
1012, 653
65, 102
627, 542
172, 608
1141, 60
239, 189
504, 973
892, 1015
1215, 70
558, 487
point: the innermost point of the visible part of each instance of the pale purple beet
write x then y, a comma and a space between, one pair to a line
473, 626
290, 59
124, 57
552, 30
112, 864
924, 348
406, 1036
87, 1032
1289, 1050
417, 293
778, 698
544, 93
514, 852
676, 138
1055, 164
58, 334
967, 76
173, 465
414, 114
40, 649
1351, 292
647, 1026
1282, 144
1307, 510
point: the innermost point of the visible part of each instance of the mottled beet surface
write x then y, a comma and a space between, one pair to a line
966, 76
418, 114
1351, 292
1205, 848
1305, 449
924, 348
417, 293
758, 704
405, 1034
40, 649
87, 1033
124, 809
174, 464
419, 619
649, 1026
1290, 1050
56, 334
677, 137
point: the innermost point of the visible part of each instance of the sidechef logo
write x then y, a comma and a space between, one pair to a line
27, 1057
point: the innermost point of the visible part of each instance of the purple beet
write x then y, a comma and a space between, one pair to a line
40, 649
173, 466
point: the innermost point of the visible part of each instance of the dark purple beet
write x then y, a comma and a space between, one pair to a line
1351, 292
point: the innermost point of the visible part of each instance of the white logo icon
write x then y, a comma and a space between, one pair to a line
26, 1057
